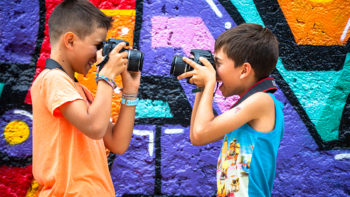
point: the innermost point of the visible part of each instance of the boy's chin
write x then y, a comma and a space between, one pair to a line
224, 92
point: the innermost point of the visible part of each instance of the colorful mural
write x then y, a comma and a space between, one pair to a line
312, 74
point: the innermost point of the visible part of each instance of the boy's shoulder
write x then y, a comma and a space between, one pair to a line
258, 101
53, 75
50, 79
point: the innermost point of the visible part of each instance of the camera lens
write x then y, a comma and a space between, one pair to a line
178, 66
135, 58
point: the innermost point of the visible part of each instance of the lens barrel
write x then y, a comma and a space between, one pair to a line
178, 66
135, 57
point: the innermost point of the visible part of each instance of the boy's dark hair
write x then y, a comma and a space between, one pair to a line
250, 43
79, 16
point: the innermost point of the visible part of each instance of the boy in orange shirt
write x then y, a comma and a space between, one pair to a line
71, 129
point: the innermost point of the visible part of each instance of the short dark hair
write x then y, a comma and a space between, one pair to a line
250, 43
78, 16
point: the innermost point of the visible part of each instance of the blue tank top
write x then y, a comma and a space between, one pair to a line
247, 161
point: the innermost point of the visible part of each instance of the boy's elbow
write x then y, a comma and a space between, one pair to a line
196, 138
120, 150
95, 132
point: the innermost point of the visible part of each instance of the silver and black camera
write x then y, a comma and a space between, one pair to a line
135, 57
178, 66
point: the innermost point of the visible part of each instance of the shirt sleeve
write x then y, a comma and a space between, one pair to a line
58, 89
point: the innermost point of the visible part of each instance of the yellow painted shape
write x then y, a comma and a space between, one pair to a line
122, 20
317, 22
33, 190
16, 132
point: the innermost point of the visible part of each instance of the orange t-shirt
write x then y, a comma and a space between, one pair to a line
65, 161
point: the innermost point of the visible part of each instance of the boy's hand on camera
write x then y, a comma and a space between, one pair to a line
99, 57
131, 82
200, 75
117, 62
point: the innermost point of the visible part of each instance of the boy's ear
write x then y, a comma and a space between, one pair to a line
68, 39
246, 70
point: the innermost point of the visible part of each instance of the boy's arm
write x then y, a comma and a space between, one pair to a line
207, 129
118, 136
93, 120
194, 112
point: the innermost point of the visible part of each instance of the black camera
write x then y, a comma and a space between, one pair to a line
178, 66
135, 57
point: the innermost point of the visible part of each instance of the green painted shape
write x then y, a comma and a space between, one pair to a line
1, 87
248, 11
322, 94
147, 108
328, 123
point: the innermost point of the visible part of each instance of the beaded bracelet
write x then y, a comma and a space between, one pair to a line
129, 96
107, 80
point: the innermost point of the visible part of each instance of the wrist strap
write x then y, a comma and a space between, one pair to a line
128, 102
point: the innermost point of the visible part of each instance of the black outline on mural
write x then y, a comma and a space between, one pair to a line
138, 23
17, 100
17, 97
289, 38
158, 161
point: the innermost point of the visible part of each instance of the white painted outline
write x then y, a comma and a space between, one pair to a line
342, 156
173, 131
345, 31
23, 112
150, 135
214, 8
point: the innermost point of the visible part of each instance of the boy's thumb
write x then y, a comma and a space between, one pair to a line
205, 62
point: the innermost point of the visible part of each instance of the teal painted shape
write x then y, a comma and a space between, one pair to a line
1, 87
248, 11
322, 94
147, 108
329, 121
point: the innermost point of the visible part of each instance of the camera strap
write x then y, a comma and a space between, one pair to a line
101, 64
265, 85
52, 64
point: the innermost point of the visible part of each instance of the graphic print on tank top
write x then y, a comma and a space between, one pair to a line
233, 167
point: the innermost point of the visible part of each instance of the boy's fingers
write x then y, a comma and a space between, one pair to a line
124, 54
190, 62
99, 55
119, 47
191, 81
185, 75
205, 62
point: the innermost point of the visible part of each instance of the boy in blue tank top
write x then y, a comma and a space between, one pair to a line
252, 130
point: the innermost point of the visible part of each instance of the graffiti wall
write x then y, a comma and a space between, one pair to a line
313, 76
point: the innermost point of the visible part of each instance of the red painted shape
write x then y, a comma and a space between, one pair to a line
45, 47
15, 181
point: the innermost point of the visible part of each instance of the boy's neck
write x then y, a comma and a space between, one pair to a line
64, 63
248, 83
